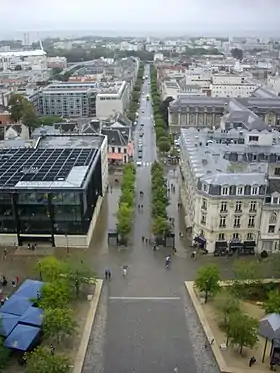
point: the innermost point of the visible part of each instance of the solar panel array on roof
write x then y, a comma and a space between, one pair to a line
41, 164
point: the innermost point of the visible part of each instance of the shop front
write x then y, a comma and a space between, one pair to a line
221, 248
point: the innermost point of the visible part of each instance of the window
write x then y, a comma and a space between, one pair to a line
274, 200
205, 188
240, 191
119, 150
273, 218
203, 219
236, 223
251, 222
113, 149
271, 228
222, 222
238, 206
221, 237
125, 150
253, 138
223, 207
250, 236
277, 171
204, 204
225, 191
254, 191
253, 206
235, 236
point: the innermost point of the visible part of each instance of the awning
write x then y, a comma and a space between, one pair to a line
235, 245
249, 244
221, 245
200, 239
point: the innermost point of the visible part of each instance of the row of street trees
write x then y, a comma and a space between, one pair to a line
162, 137
160, 201
63, 282
126, 203
135, 96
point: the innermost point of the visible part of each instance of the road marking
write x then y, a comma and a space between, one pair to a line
144, 298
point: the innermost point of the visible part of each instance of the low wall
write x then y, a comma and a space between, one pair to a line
8, 240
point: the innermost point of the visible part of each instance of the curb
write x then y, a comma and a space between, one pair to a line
79, 361
207, 329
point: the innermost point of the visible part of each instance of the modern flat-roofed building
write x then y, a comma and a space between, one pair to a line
53, 192
230, 188
79, 99
112, 100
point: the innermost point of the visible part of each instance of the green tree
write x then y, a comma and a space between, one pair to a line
245, 271
16, 103
41, 360
4, 354
208, 279
55, 294
242, 330
59, 323
161, 226
163, 145
228, 304
124, 223
51, 268
272, 303
29, 116
78, 274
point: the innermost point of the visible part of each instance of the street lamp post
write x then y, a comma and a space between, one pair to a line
67, 246
207, 288
40, 272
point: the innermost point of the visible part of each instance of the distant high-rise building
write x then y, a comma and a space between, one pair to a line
26, 39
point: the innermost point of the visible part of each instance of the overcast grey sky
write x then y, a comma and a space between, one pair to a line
178, 16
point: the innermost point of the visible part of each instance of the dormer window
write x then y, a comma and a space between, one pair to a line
240, 191
254, 190
225, 191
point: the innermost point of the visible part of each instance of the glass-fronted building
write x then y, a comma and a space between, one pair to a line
48, 192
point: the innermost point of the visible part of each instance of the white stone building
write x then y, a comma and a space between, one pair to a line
231, 86
230, 188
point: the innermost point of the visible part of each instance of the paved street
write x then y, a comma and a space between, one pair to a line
145, 322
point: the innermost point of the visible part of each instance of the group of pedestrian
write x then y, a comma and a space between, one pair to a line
4, 283
146, 240
140, 208
108, 273
32, 247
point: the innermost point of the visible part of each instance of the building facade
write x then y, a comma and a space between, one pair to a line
201, 112
230, 188
112, 101
53, 193
79, 99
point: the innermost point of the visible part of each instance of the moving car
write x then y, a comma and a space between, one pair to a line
138, 163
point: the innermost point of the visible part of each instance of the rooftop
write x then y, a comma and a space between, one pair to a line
223, 158
56, 162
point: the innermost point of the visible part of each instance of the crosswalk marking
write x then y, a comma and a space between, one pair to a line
146, 164
144, 298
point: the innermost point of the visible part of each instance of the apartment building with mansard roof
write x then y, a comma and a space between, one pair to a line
230, 188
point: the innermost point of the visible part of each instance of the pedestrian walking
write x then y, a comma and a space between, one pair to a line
17, 280
146, 240
14, 285
5, 253
107, 274
125, 267
142, 207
